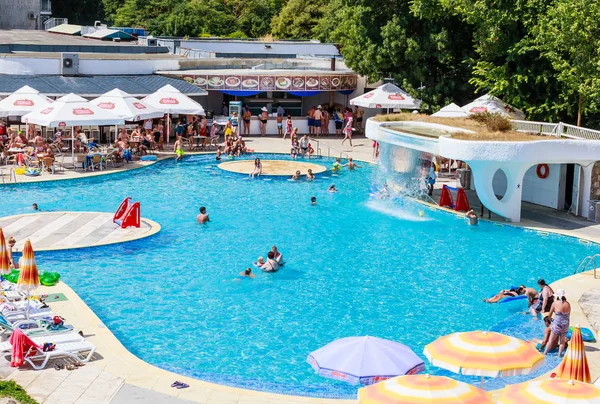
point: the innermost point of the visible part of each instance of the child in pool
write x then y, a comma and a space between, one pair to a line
219, 152
310, 176
247, 273
337, 166
296, 176
178, 148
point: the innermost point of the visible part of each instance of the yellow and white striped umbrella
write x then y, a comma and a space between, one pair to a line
423, 389
550, 391
574, 365
4, 261
29, 278
483, 353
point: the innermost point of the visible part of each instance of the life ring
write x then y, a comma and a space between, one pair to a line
542, 174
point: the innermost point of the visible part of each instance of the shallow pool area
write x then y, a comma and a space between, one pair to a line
355, 265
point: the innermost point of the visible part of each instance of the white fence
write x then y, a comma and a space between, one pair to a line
556, 129
53, 22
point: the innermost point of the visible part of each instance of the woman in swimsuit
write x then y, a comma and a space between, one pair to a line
246, 117
545, 298
560, 323
257, 168
512, 292
264, 116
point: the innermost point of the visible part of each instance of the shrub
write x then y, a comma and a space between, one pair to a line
13, 390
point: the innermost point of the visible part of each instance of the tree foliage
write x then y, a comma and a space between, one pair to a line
298, 19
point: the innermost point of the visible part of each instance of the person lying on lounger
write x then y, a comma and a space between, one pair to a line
512, 292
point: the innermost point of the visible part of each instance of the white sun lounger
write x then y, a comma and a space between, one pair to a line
71, 350
41, 340
13, 295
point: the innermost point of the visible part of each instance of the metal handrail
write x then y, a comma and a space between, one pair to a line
556, 129
585, 263
329, 149
12, 176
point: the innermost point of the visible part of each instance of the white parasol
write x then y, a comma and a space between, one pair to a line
387, 96
493, 105
451, 111
23, 101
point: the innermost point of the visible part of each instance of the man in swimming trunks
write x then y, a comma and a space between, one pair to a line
351, 164
512, 292
304, 144
203, 216
472, 217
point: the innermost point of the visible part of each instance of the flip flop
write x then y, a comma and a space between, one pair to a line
176, 384
183, 386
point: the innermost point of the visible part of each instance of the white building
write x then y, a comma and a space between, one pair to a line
24, 14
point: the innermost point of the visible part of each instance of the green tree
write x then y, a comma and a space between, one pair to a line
568, 36
82, 12
298, 19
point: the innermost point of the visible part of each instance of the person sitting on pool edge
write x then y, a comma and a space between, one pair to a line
472, 217
512, 292
202, 217
247, 273
296, 176
271, 265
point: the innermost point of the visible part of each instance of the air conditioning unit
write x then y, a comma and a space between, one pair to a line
69, 64
151, 42
31, 15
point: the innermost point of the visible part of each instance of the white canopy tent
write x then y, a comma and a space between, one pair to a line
71, 110
170, 100
493, 105
23, 101
387, 96
126, 106
451, 111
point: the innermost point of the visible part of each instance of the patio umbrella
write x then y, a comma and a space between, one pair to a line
29, 278
4, 262
490, 104
451, 111
364, 359
550, 391
72, 110
387, 96
483, 353
23, 101
170, 100
423, 389
574, 365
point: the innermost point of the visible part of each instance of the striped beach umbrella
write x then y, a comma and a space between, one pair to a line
423, 389
483, 353
4, 261
29, 279
574, 365
550, 391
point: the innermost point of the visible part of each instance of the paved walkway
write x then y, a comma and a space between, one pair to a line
272, 167
65, 230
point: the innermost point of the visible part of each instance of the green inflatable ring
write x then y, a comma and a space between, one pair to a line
49, 278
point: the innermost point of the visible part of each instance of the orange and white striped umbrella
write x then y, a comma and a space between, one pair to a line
574, 365
483, 353
4, 261
29, 278
422, 389
550, 391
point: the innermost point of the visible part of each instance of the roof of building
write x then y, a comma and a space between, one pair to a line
93, 86
110, 34
246, 47
67, 29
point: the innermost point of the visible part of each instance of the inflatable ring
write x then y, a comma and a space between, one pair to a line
542, 171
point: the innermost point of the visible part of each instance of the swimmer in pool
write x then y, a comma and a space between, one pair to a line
271, 265
247, 273
296, 176
310, 176
512, 292
35, 207
313, 200
260, 262
351, 164
472, 217
203, 216
337, 166
219, 152
332, 188
277, 255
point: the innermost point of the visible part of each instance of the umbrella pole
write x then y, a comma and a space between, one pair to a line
73, 148
168, 127
27, 311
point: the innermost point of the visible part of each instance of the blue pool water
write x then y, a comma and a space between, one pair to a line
355, 266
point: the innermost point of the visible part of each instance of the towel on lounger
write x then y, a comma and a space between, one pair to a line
20, 346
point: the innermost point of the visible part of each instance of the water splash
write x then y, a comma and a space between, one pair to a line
399, 211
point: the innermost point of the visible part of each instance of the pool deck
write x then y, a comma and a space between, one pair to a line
66, 230
277, 168
118, 376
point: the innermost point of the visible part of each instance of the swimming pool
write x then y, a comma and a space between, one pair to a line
355, 266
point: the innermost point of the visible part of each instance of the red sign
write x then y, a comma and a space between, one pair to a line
47, 111
106, 105
82, 111
476, 110
378, 106
170, 101
139, 105
396, 97
369, 95
62, 124
23, 103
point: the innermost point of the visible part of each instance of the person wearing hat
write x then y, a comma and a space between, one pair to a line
561, 309
264, 117
317, 116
